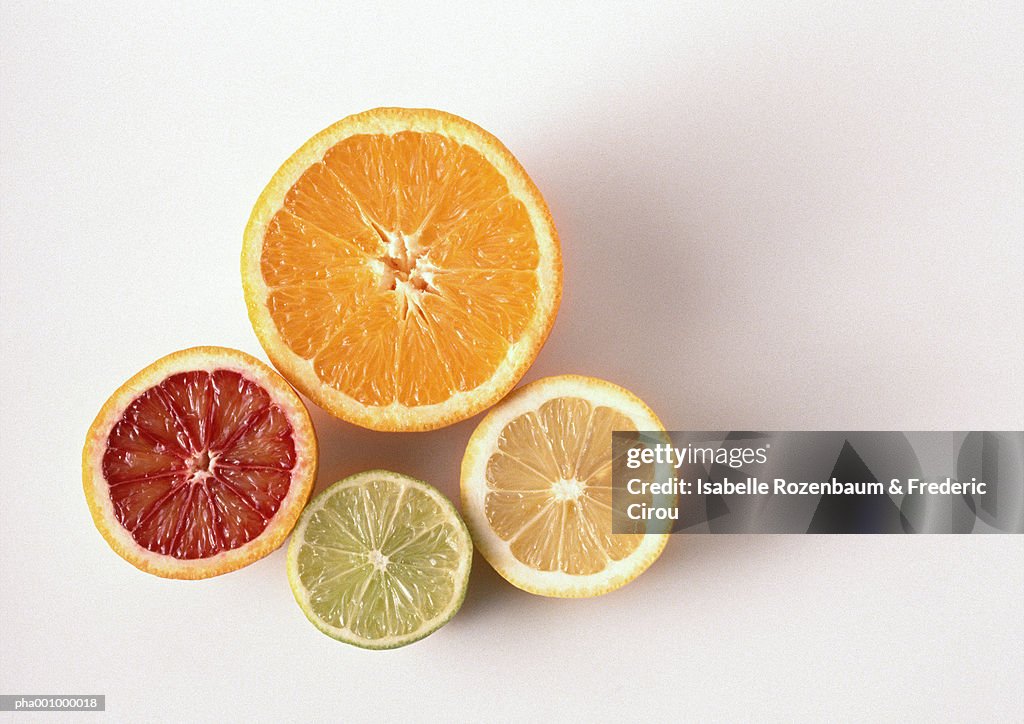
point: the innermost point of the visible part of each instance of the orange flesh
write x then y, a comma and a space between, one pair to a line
402, 268
550, 487
199, 464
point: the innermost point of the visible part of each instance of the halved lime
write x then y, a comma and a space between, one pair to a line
379, 560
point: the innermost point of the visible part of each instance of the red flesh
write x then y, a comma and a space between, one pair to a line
199, 464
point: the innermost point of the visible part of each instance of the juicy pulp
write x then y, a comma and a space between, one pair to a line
199, 463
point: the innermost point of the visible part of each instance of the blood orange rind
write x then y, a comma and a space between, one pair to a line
303, 473
300, 371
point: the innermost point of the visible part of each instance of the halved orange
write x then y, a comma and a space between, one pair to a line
199, 464
401, 269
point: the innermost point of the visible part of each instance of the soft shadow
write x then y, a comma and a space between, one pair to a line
632, 246
485, 588
434, 457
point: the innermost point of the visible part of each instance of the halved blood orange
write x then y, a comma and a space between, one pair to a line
199, 464
401, 269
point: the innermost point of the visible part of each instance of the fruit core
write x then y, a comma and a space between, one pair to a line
378, 560
405, 265
199, 463
567, 489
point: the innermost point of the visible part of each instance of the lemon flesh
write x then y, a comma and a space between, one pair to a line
537, 488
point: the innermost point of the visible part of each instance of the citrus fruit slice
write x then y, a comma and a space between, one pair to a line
379, 560
401, 269
537, 488
199, 464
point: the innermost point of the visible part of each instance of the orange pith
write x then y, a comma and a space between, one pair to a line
401, 269
199, 464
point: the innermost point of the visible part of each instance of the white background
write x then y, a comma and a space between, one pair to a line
776, 217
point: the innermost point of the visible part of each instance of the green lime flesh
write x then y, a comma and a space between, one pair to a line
379, 560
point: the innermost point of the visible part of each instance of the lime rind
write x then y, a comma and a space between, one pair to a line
379, 560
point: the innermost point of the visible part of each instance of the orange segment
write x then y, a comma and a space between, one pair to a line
362, 356
366, 169
500, 298
469, 349
320, 201
401, 269
297, 251
494, 235
420, 379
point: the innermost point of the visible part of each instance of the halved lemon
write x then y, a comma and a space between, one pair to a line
401, 269
537, 488
379, 560
199, 464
